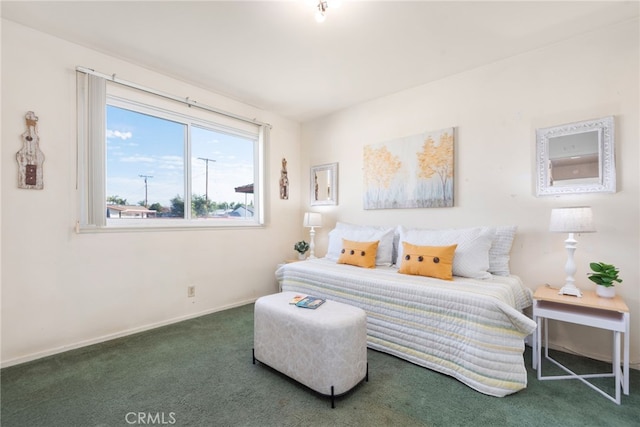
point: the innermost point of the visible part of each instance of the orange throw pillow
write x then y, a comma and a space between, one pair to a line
360, 254
430, 261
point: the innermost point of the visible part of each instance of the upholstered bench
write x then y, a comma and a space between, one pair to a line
325, 349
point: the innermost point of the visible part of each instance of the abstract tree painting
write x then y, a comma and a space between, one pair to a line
410, 172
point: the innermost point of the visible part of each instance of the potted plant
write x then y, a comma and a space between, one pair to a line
301, 247
604, 276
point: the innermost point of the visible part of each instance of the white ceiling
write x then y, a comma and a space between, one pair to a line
275, 56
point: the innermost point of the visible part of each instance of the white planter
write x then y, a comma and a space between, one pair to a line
301, 256
605, 292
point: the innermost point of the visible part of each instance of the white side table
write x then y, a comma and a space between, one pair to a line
590, 310
286, 261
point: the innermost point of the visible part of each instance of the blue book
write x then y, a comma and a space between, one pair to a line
310, 302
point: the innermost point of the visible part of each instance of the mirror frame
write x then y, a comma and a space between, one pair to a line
332, 169
606, 157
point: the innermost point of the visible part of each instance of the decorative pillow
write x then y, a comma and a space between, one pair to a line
430, 261
360, 254
472, 254
362, 233
500, 252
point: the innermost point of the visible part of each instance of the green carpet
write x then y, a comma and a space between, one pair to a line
200, 373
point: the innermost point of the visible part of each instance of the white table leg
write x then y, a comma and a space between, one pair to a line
616, 363
625, 373
539, 340
534, 346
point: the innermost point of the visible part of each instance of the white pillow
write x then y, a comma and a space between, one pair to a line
396, 243
472, 254
362, 233
500, 252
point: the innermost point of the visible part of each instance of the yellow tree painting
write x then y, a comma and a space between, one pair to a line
410, 172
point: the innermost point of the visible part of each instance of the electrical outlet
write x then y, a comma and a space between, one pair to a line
191, 291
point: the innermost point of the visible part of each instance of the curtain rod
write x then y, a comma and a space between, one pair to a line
186, 100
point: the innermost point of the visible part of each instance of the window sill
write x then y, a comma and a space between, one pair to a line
137, 225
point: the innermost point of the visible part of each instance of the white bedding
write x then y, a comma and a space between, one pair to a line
470, 329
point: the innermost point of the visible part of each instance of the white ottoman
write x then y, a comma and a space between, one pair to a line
324, 349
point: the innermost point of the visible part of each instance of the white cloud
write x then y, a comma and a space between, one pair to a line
138, 159
171, 162
117, 134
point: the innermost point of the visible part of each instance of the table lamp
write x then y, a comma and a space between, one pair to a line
571, 220
312, 220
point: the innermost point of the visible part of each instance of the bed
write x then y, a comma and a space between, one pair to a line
472, 329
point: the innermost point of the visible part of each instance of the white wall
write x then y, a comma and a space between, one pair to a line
60, 289
495, 110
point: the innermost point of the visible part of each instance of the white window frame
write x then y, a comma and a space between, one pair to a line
91, 183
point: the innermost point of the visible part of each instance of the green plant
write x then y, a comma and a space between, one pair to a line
604, 274
301, 247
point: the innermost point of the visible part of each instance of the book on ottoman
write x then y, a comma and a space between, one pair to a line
310, 302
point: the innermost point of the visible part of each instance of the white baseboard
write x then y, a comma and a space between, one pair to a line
120, 334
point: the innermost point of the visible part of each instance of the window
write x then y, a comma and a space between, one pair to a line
147, 161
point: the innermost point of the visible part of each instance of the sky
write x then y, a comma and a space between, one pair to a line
140, 145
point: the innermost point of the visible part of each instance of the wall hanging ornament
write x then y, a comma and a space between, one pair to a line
30, 158
284, 181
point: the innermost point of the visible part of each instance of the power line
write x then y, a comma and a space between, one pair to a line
146, 201
206, 185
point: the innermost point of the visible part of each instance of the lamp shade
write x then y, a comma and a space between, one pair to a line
312, 219
572, 220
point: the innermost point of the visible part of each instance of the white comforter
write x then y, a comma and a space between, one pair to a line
470, 329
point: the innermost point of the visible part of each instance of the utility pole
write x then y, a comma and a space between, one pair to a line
206, 185
146, 202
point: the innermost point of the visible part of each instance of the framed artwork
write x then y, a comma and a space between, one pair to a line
576, 158
324, 185
410, 172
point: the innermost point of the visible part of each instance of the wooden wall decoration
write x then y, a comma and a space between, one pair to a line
284, 181
30, 158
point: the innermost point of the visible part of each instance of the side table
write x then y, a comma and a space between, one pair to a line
286, 261
590, 310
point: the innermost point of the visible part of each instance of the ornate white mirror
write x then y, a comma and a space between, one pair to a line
576, 158
324, 184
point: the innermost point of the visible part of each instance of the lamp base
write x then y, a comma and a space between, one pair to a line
570, 290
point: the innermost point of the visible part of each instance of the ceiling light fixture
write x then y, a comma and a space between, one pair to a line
323, 5
322, 9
